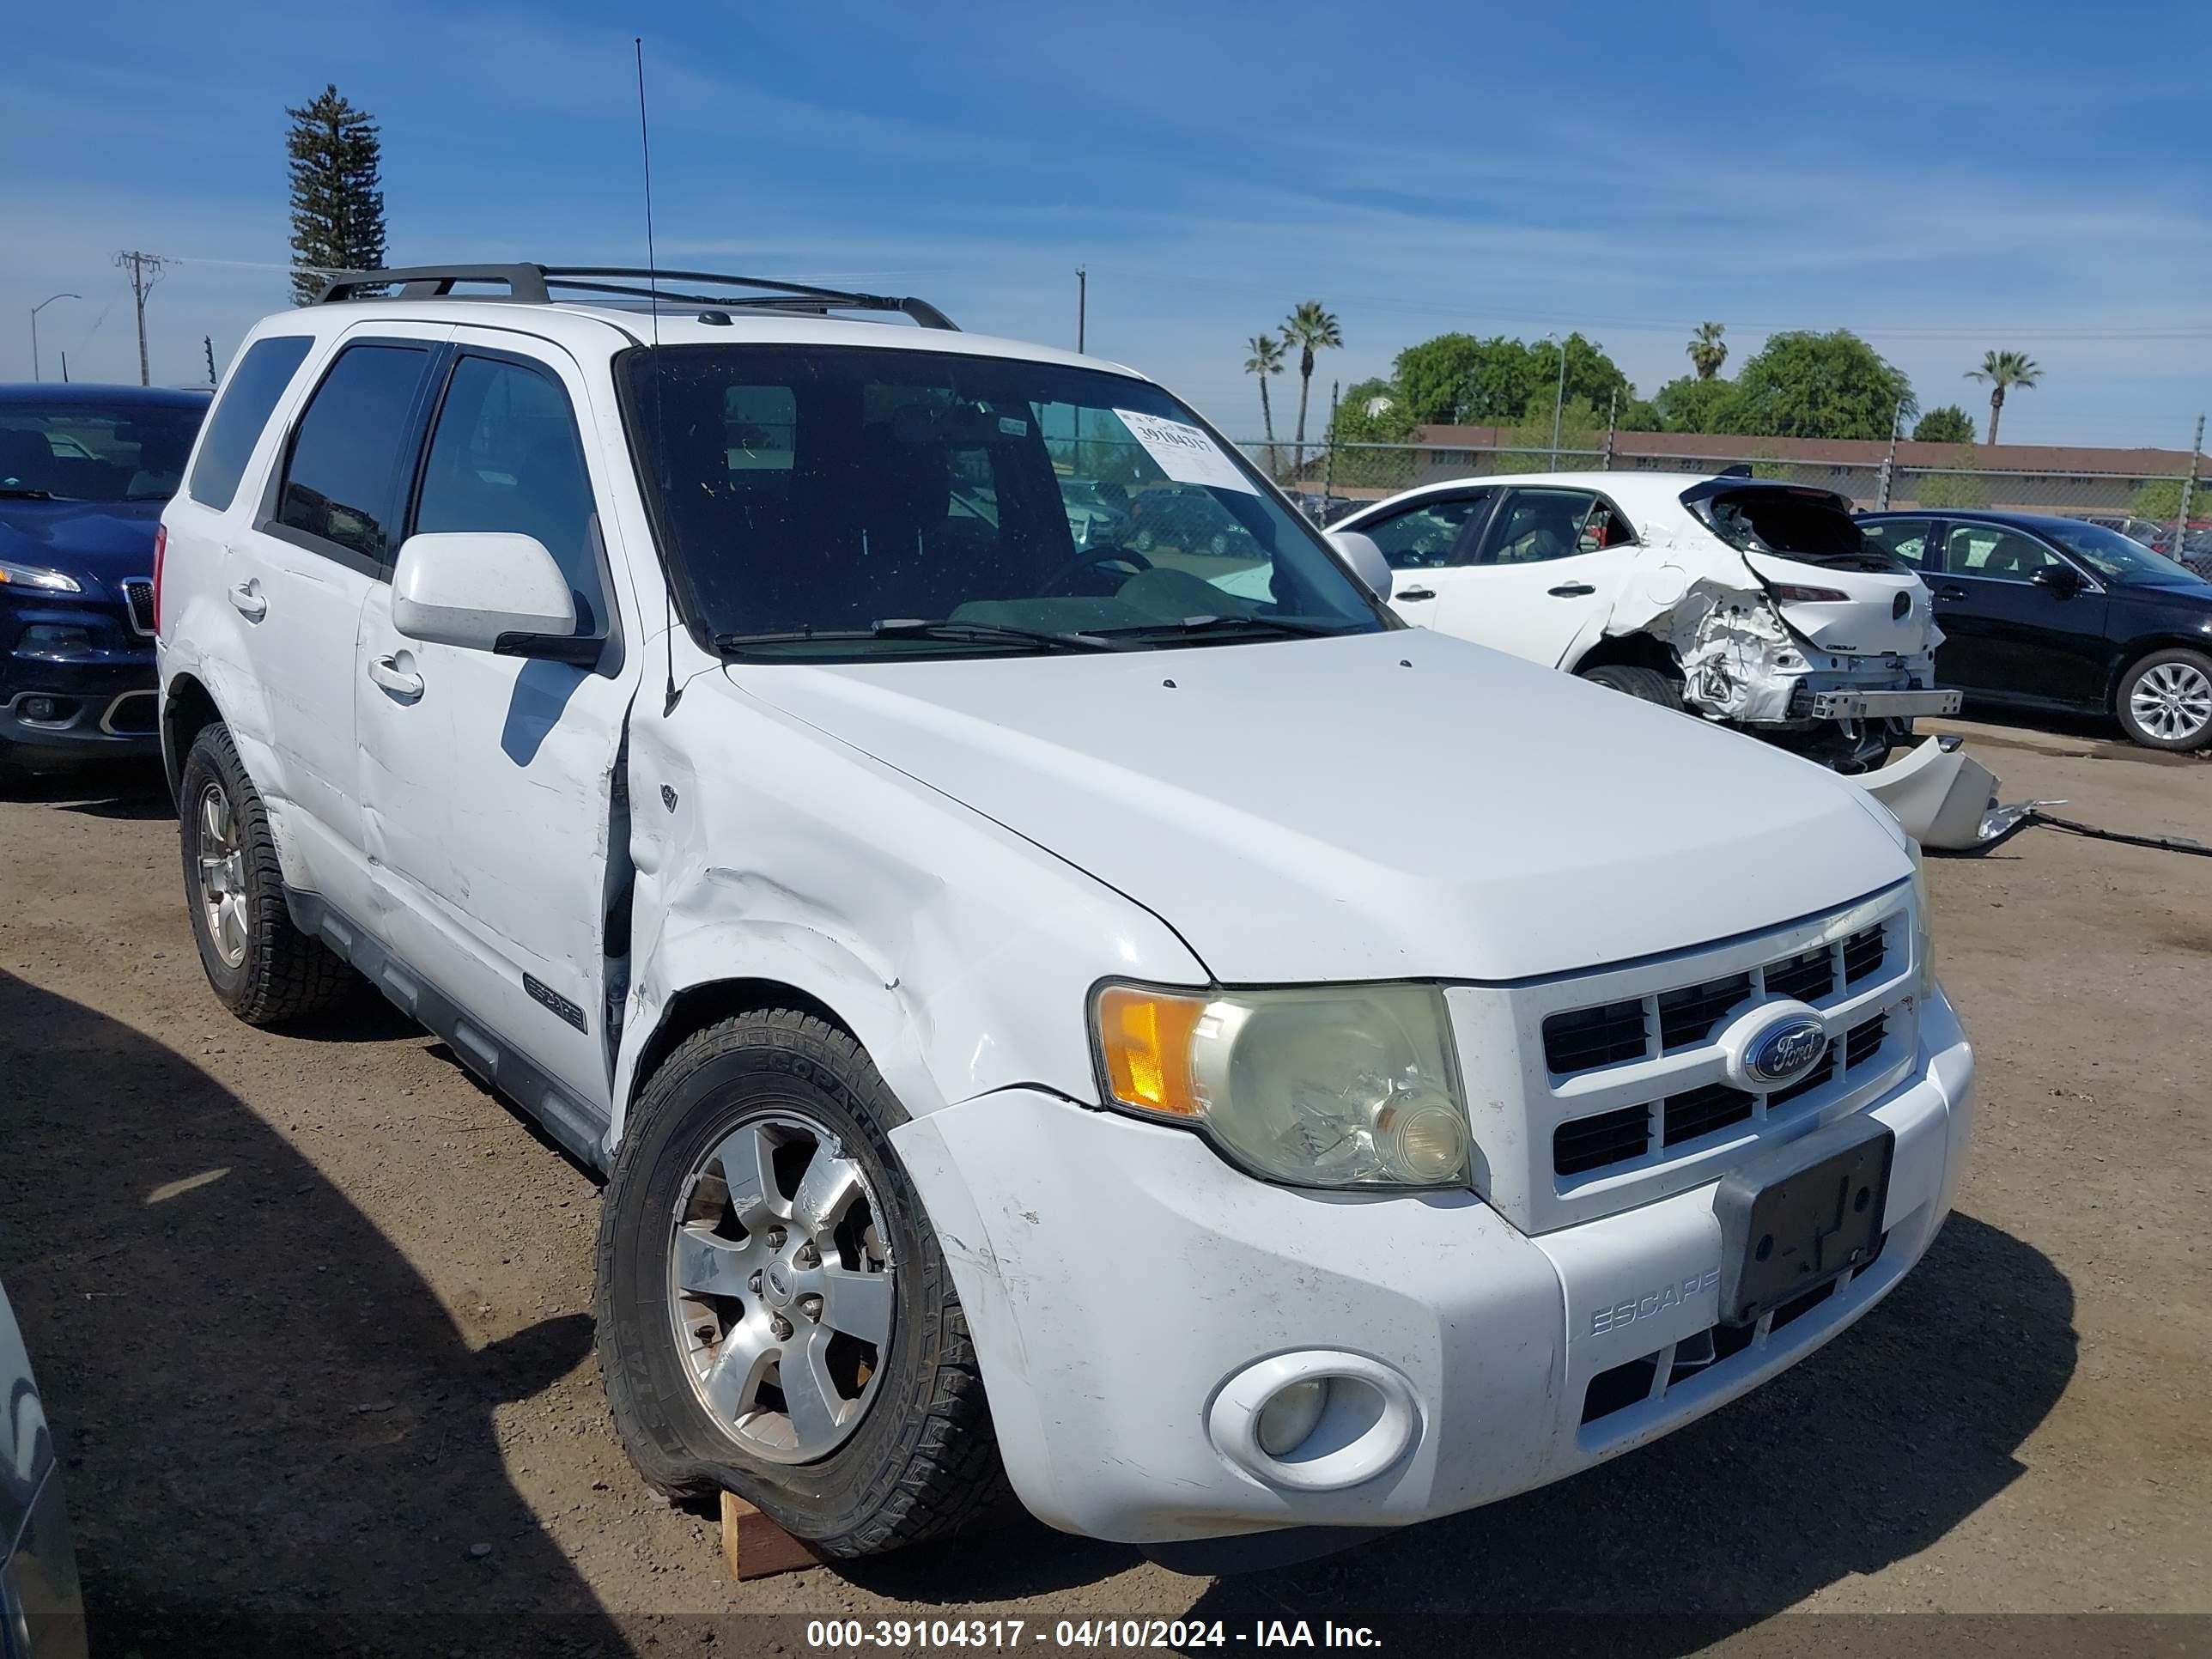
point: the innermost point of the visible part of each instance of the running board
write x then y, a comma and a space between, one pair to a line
578, 1125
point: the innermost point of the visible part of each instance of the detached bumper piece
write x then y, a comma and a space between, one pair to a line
1946, 799
1883, 705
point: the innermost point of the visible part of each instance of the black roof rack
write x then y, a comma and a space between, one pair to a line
535, 285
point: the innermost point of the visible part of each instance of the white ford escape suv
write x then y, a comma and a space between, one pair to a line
1145, 1022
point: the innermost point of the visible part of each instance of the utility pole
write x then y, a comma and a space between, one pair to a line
145, 270
65, 368
207, 344
1082, 302
35, 310
1611, 414
2188, 489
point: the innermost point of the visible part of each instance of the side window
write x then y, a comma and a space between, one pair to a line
1424, 537
339, 482
505, 455
1903, 538
240, 414
1539, 525
2004, 555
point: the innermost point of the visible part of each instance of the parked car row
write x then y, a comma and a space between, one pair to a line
1134, 1022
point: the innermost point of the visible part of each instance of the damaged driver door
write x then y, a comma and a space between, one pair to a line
1547, 576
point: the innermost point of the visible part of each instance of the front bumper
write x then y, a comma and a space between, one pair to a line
1120, 1280
84, 658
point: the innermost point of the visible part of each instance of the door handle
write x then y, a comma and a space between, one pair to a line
246, 599
388, 674
1950, 591
1416, 593
1571, 590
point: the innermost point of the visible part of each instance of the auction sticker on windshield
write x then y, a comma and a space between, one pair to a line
1185, 453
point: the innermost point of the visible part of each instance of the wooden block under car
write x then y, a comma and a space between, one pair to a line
754, 1547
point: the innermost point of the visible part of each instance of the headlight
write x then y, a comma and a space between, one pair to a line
30, 575
1331, 1087
1924, 928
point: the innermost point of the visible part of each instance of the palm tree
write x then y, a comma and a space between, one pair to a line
1707, 350
1267, 359
1311, 328
2002, 370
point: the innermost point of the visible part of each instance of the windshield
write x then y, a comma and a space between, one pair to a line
810, 496
2114, 556
90, 452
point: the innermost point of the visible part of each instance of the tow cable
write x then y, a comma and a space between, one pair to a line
2000, 824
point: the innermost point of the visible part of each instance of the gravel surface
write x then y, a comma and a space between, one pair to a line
312, 1314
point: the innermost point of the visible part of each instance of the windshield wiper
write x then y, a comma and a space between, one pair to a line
1294, 627
25, 493
911, 627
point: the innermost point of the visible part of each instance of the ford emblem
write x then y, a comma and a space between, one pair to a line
1785, 1051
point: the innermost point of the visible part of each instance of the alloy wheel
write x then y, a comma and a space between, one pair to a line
779, 1286
2172, 701
223, 875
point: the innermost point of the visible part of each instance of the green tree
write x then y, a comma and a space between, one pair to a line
1311, 328
1960, 484
1689, 404
2001, 371
1457, 378
338, 204
2161, 499
1267, 359
1639, 415
1433, 377
1708, 351
1582, 437
1391, 423
1592, 378
1947, 425
1802, 384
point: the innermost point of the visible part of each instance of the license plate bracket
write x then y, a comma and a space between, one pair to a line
1798, 1215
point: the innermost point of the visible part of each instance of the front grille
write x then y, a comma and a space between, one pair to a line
1805, 977
1583, 1144
1862, 955
139, 594
1591, 1037
1688, 1014
1700, 1111
1591, 1143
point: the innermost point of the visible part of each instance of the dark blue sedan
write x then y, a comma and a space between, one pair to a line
84, 470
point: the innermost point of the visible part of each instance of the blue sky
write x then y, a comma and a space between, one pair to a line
1943, 181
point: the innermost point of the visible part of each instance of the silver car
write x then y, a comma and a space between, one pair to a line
41, 1612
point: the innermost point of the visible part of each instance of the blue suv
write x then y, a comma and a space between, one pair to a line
84, 470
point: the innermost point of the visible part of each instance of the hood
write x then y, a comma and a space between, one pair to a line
106, 541
1389, 806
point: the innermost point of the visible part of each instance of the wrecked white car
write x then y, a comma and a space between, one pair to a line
1758, 604
1096, 1019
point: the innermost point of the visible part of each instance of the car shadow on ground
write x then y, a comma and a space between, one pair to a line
103, 789
1865, 1453
2097, 739
277, 1440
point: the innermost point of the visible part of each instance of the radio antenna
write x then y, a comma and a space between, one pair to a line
659, 421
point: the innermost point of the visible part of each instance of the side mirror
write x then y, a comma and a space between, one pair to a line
1365, 559
2063, 580
484, 591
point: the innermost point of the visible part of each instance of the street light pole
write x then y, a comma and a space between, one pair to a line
35, 310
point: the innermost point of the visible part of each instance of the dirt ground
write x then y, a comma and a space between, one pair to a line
312, 1314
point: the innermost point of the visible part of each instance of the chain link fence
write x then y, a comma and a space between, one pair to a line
1352, 473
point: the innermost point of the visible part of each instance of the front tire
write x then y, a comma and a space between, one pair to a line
2164, 702
262, 967
775, 1314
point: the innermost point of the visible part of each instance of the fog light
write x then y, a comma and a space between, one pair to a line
1289, 1416
39, 709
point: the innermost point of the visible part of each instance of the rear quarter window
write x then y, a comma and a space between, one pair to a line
255, 386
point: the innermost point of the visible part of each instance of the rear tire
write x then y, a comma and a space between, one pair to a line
1645, 685
262, 967
910, 1454
2164, 702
